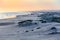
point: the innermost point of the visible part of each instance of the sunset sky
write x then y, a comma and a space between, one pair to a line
27, 5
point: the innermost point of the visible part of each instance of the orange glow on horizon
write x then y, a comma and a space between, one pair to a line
27, 5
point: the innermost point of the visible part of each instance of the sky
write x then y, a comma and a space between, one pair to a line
28, 5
